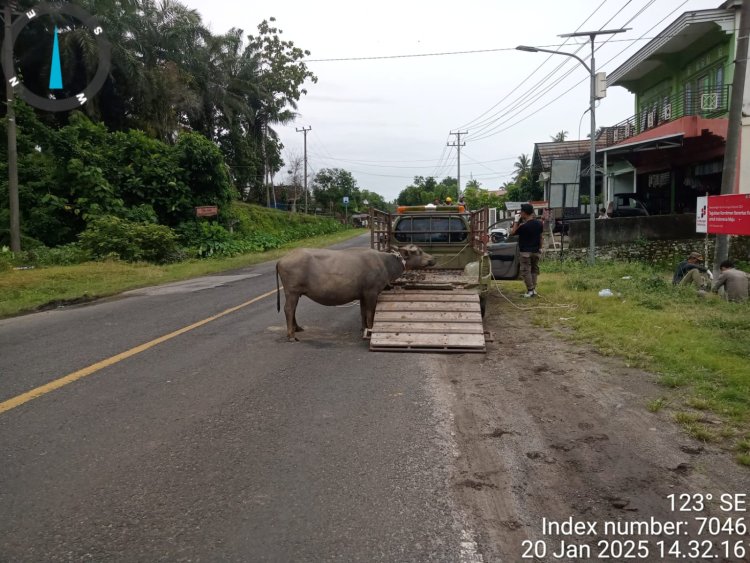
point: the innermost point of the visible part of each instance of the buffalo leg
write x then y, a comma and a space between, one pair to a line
367, 306
363, 313
290, 310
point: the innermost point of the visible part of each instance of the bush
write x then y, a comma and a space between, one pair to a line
65, 255
107, 236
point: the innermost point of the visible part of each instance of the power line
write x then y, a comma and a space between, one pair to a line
522, 102
496, 131
476, 121
509, 116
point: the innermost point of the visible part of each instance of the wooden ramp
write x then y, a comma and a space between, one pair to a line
428, 321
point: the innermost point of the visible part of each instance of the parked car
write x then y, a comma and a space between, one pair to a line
500, 230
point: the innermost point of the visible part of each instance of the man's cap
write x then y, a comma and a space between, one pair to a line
448, 199
696, 256
527, 208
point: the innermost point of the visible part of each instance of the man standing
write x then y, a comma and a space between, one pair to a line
529, 230
733, 280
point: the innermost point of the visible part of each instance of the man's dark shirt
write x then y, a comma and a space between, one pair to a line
682, 269
530, 236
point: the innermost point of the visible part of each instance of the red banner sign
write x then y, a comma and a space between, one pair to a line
207, 211
729, 214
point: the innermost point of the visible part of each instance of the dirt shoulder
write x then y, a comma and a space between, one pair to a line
550, 429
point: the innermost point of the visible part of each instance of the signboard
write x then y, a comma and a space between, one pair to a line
565, 171
514, 205
729, 214
701, 215
346, 200
207, 211
563, 195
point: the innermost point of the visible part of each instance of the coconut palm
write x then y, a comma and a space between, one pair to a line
560, 136
522, 168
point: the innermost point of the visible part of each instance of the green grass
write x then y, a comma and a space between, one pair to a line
656, 404
700, 345
27, 290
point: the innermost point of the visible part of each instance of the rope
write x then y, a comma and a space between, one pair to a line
499, 291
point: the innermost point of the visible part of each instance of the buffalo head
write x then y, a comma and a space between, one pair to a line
415, 258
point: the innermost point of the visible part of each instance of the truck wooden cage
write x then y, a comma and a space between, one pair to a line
437, 309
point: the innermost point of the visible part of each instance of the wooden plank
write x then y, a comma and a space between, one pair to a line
428, 350
428, 316
428, 328
455, 291
433, 340
427, 306
466, 297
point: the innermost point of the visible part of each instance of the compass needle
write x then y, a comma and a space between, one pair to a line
55, 77
50, 101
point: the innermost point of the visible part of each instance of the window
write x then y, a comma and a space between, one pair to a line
720, 85
689, 98
433, 230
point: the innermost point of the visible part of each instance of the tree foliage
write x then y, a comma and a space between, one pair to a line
82, 171
426, 190
170, 74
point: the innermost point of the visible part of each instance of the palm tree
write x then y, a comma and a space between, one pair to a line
560, 136
522, 168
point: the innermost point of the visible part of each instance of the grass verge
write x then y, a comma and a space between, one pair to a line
29, 290
698, 345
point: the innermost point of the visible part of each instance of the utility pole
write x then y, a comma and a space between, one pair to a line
731, 153
592, 108
458, 146
15, 215
304, 131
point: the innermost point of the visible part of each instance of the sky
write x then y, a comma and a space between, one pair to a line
388, 120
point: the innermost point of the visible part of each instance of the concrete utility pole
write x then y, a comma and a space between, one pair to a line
15, 215
303, 130
731, 153
592, 107
458, 144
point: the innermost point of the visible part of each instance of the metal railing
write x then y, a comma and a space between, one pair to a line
706, 102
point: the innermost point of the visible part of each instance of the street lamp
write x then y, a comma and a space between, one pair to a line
592, 100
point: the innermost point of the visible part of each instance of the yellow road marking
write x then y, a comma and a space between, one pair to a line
80, 374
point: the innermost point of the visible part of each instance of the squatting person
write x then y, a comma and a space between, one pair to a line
530, 231
691, 271
734, 282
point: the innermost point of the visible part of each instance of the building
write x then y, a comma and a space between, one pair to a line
672, 149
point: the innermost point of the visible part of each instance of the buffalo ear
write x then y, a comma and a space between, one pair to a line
404, 251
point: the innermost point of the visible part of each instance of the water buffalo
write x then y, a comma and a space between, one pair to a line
336, 277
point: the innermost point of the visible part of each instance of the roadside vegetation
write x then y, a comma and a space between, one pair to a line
66, 276
698, 345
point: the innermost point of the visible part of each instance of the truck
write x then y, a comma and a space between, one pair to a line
439, 309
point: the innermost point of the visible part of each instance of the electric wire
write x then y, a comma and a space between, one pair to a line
511, 104
476, 119
497, 128
523, 98
513, 112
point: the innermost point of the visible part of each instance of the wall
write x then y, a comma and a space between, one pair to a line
660, 252
629, 229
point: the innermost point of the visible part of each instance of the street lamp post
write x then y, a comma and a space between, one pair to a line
592, 100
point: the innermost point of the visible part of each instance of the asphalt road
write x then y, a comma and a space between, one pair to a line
225, 443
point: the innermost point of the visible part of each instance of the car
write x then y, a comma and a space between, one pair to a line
500, 230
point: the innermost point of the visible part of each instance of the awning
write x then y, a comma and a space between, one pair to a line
657, 143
